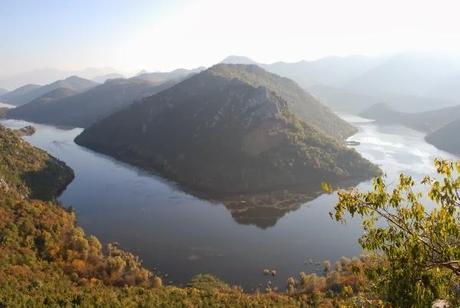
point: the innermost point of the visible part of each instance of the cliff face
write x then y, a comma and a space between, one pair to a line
227, 131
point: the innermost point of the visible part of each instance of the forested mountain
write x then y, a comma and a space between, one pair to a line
18, 93
28, 172
428, 121
232, 129
329, 71
446, 138
407, 81
26, 95
84, 109
47, 260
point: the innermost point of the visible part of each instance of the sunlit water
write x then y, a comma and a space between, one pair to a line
180, 235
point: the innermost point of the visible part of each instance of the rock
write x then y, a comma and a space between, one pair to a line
25, 131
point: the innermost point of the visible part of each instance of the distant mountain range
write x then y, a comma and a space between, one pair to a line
28, 93
161, 77
442, 125
330, 71
82, 109
427, 121
408, 82
3, 91
46, 76
446, 138
104, 78
232, 129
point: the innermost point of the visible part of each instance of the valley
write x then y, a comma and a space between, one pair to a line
235, 244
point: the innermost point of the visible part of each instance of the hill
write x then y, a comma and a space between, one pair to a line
22, 97
446, 137
231, 129
50, 75
408, 74
84, 109
18, 93
29, 172
238, 60
427, 121
162, 77
329, 71
47, 260
104, 78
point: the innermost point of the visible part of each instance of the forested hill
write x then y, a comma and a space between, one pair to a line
47, 260
28, 171
232, 129
446, 138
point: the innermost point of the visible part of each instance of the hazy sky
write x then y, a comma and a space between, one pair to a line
162, 35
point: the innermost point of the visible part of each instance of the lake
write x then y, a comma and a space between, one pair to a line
180, 235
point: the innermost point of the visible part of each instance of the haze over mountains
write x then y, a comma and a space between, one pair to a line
446, 137
427, 121
49, 75
386, 88
83, 109
232, 129
408, 82
442, 125
28, 93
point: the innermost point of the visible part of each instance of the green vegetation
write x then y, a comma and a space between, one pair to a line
419, 245
28, 93
67, 107
47, 260
230, 130
28, 171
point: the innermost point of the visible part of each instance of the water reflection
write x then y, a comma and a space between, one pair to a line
182, 235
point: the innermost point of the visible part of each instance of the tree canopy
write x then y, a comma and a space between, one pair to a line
416, 234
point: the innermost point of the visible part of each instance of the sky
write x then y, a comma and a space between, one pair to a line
130, 35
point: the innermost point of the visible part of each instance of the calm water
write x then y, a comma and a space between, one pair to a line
180, 235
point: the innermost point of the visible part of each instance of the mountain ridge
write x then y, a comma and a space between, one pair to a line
190, 133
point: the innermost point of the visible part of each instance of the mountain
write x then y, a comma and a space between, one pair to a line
407, 81
104, 78
3, 91
161, 77
49, 75
343, 100
18, 93
232, 129
329, 71
408, 74
74, 83
30, 110
84, 109
47, 259
238, 60
29, 172
446, 137
428, 121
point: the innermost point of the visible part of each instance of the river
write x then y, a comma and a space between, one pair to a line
180, 235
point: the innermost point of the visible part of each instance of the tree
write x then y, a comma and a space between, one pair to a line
417, 235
